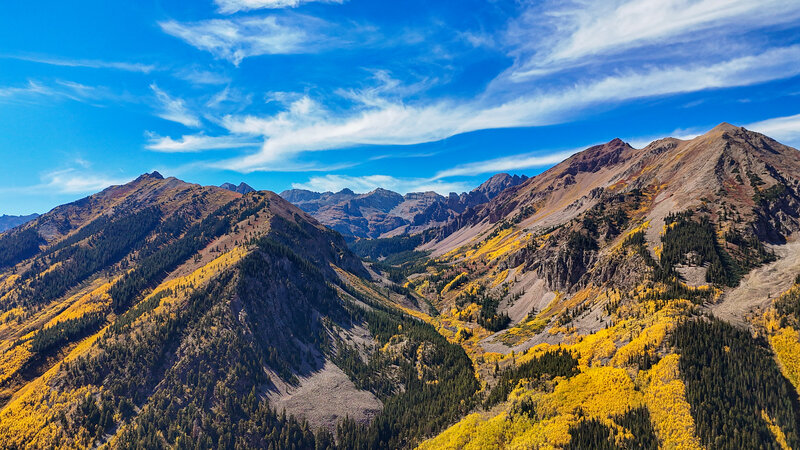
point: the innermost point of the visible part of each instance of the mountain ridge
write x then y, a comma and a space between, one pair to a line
220, 307
384, 213
243, 188
560, 190
614, 298
9, 221
640, 263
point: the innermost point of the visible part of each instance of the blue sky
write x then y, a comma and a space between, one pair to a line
411, 95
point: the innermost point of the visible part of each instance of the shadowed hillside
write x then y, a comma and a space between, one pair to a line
160, 313
625, 298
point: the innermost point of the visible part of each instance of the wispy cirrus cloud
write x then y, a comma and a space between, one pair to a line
784, 129
236, 39
549, 36
233, 6
31, 88
507, 163
73, 180
201, 77
35, 90
77, 181
307, 125
174, 109
368, 183
194, 143
88, 63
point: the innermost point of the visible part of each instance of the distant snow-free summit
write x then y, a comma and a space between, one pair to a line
384, 213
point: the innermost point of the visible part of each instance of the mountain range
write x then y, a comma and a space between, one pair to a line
242, 188
624, 298
8, 222
384, 213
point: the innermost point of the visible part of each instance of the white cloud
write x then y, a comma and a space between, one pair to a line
73, 181
84, 93
507, 163
68, 181
308, 126
32, 88
549, 37
228, 100
384, 89
174, 109
232, 6
236, 39
89, 63
202, 77
62, 89
784, 129
680, 133
196, 143
368, 183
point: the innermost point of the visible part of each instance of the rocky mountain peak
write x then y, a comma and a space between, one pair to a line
497, 183
723, 127
242, 188
382, 212
154, 175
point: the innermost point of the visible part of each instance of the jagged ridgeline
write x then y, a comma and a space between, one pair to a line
162, 314
585, 295
625, 298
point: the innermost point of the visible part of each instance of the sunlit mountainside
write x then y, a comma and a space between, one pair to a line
624, 298
621, 257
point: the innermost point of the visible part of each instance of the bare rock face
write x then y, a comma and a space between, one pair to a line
744, 183
242, 188
383, 213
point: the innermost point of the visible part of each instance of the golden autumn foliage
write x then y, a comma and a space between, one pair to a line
597, 392
524, 330
786, 344
460, 278
13, 359
784, 339
500, 278
776, 431
29, 419
607, 386
665, 396
35, 407
641, 227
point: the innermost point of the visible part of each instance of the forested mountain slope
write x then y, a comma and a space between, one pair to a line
575, 310
620, 256
162, 314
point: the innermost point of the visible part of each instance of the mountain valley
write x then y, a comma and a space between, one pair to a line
624, 298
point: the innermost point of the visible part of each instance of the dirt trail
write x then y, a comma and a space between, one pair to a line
761, 285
